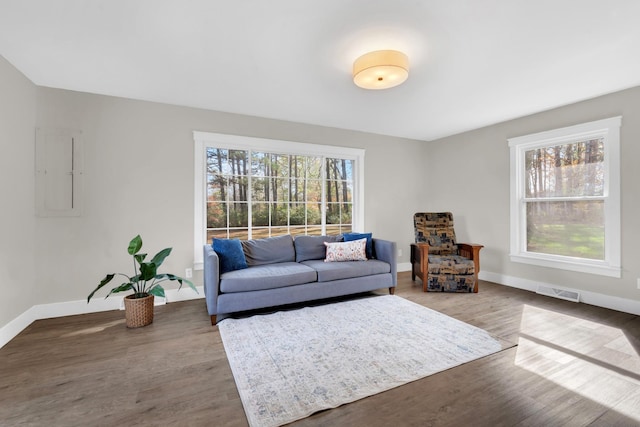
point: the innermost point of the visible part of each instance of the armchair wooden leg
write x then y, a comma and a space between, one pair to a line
213, 320
392, 290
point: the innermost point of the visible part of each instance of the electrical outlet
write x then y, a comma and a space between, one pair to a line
638, 282
399, 252
188, 273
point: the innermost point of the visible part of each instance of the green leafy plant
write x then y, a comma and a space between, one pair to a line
146, 280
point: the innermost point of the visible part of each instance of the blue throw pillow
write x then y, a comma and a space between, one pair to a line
230, 253
348, 237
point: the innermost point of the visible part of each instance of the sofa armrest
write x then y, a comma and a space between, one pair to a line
386, 251
211, 279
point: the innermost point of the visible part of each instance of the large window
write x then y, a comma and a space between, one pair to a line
254, 188
565, 198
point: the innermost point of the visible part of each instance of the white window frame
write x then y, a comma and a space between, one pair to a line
609, 130
203, 140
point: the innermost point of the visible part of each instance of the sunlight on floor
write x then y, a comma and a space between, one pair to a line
594, 360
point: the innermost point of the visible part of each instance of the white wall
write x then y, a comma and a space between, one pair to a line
17, 217
468, 174
139, 179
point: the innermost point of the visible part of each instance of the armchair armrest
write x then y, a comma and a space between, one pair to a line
471, 251
211, 276
386, 251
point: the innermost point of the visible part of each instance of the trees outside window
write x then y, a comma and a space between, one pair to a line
565, 203
255, 188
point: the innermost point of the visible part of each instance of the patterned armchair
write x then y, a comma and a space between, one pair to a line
438, 260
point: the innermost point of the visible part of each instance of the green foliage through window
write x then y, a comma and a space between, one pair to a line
261, 194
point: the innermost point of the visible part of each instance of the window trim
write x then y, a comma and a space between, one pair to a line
609, 129
203, 140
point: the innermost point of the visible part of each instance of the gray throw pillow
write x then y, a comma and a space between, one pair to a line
312, 247
269, 251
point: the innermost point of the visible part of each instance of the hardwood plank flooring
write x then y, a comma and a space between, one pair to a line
573, 364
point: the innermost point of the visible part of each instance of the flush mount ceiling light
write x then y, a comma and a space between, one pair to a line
381, 69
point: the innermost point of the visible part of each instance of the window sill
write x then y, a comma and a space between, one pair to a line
571, 264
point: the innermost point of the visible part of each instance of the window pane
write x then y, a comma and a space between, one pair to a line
218, 234
258, 164
260, 214
339, 191
287, 192
574, 229
260, 189
568, 170
314, 214
238, 215
216, 215
216, 188
333, 213
238, 163
217, 160
279, 231
238, 188
279, 189
297, 190
279, 214
340, 169
260, 233
314, 191
239, 233
297, 214
269, 164
333, 230
313, 168
316, 231
345, 213
298, 231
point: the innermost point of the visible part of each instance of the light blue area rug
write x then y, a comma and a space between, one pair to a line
291, 364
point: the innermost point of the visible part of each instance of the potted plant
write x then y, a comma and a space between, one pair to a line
145, 284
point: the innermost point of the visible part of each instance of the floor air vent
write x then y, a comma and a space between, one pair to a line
573, 296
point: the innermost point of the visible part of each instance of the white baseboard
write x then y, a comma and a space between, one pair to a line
404, 266
592, 298
70, 308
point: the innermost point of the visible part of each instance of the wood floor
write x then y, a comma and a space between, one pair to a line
574, 364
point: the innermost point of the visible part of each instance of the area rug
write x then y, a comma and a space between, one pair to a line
291, 364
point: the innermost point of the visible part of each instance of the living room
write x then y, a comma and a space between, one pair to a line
138, 177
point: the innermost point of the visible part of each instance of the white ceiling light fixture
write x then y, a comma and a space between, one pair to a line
381, 69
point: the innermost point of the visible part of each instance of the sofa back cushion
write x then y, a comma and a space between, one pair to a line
269, 251
312, 247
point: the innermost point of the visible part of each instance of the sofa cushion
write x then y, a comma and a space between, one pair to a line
230, 253
312, 247
346, 251
349, 237
450, 264
269, 251
267, 276
328, 271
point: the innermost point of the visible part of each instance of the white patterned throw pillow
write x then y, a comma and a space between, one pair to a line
346, 251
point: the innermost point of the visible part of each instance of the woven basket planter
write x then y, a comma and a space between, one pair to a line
138, 311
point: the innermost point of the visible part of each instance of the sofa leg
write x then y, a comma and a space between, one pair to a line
392, 290
213, 320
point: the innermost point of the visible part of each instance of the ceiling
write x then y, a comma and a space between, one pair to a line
473, 62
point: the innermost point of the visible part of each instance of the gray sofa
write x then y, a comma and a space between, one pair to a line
282, 270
